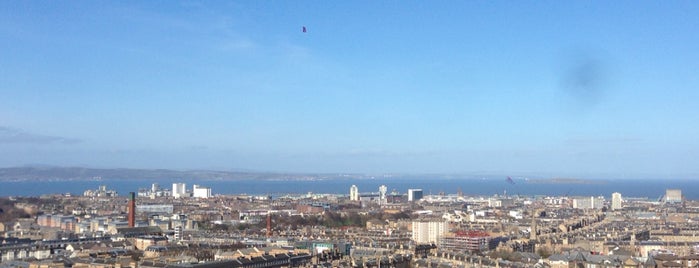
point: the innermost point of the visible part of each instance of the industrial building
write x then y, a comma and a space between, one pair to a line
673, 196
414, 194
201, 192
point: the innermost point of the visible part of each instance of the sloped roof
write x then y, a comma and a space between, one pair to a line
136, 231
672, 264
558, 257
577, 256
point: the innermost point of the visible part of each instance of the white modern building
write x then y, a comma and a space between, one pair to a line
201, 192
673, 196
616, 201
414, 194
425, 232
354, 193
179, 190
382, 194
588, 202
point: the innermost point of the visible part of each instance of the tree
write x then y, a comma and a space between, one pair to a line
543, 251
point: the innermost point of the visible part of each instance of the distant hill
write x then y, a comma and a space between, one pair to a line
79, 173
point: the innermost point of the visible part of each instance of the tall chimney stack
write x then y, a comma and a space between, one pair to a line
132, 209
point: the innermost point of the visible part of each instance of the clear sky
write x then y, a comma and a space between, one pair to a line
555, 88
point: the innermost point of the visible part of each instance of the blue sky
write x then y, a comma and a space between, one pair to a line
550, 88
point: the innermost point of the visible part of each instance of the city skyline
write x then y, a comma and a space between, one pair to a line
577, 89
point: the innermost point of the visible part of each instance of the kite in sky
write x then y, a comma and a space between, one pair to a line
303, 29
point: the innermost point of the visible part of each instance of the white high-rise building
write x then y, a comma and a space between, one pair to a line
616, 201
179, 190
673, 196
382, 194
354, 193
425, 232
588, 203
201, 192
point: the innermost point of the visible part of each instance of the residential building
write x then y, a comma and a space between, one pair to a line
616, 201
428, 232
178, 190
354, 193
588, 202
382, 194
